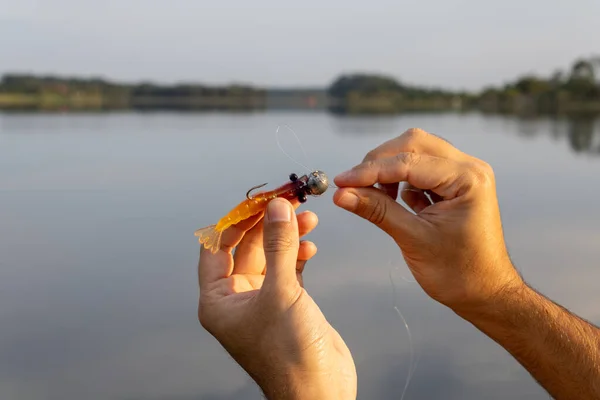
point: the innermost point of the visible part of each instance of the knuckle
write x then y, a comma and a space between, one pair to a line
487, 168
409, 140
278, 243
371, 155
481, 174
408, 159
413, 135
365, 166
368, 164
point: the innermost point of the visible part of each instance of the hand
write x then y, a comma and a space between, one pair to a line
454, 245
255, 305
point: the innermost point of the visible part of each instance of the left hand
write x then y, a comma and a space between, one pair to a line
254, 303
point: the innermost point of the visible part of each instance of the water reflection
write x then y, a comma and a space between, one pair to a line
582, 133
97, 288
583, 137
359, 125
530, 127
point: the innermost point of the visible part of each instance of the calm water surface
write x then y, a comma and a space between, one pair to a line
98, 287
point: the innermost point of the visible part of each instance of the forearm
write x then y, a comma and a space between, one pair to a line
560, 350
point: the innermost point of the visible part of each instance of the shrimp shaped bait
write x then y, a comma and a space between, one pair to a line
312, 184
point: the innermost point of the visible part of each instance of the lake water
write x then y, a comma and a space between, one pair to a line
98, 285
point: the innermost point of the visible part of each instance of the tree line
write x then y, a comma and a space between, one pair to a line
46, 92
576, 90
573, 91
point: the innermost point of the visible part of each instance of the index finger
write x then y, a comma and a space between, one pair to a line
213, 267
440, 175
234, 234
415, 140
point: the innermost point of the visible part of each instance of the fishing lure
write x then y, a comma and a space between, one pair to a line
312, 184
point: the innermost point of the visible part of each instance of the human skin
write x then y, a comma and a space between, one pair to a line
454, 246
255, 305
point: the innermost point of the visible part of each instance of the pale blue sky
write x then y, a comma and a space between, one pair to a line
450, 43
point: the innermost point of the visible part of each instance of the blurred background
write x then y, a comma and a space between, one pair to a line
127, 125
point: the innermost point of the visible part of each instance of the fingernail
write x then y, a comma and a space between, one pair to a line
349, 201
279, 211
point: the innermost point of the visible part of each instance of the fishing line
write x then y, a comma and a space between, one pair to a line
301, 148
306, 158
299, 143
402, 276
413, 363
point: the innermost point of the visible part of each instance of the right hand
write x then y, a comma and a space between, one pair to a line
454, 246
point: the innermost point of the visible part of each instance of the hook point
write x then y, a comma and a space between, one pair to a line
254, 188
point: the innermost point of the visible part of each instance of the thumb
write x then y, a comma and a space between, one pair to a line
377, 207
281, 243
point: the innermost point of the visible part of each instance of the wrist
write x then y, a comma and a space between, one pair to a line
502, 307
508, 299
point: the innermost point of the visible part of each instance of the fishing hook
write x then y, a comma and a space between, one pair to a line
253, 188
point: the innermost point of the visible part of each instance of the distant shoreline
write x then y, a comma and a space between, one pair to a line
576, 92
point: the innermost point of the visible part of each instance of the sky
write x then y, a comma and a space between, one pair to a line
455, 44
